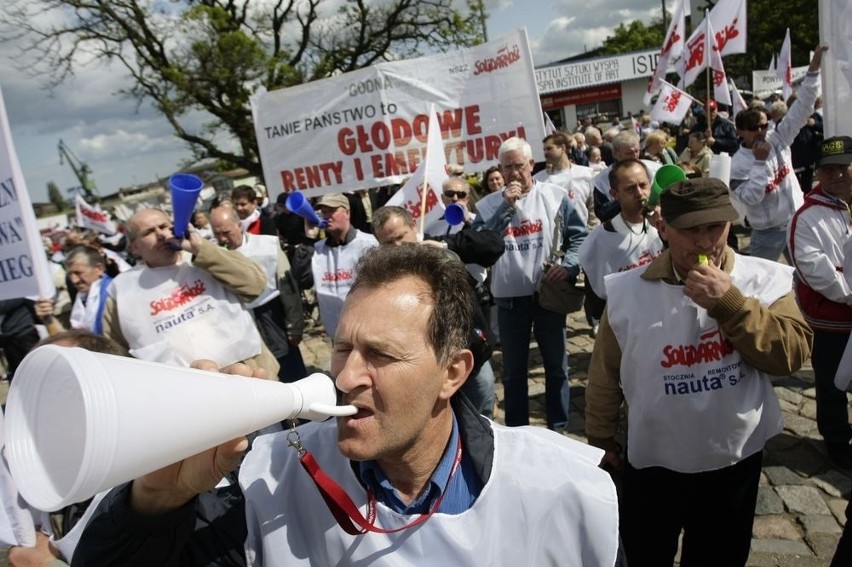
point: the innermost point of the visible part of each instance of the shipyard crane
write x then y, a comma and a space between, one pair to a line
81, 171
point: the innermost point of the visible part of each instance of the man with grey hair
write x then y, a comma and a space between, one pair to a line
529, 214
86, 271
625, 145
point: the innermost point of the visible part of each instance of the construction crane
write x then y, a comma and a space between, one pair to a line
81, 171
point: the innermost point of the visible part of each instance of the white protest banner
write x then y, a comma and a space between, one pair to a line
835, 18
368, 128
764, 83
695, 55
784, 70
717, 69
729, 21
23, 261
671, 105
738, 103
672, 49
92, 217
432, 173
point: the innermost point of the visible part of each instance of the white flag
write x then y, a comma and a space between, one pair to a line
549, 128
695, 55
784, 70
23, 262
717, 70
92, 217
672, 104
772, 63
433, 172
672, 49
738, 103
728, 18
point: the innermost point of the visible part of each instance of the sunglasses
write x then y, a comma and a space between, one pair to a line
758, 127
460, 194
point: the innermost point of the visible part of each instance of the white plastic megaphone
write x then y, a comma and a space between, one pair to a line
79, 422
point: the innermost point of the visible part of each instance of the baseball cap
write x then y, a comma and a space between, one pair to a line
333, 201
712, 105
835, 151
693, 202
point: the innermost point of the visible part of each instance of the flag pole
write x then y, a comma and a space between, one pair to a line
425, 189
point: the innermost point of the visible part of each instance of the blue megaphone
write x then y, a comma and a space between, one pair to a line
297, 204
184, 188
454, 214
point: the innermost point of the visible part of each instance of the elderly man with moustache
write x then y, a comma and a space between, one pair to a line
422, 478
184, 301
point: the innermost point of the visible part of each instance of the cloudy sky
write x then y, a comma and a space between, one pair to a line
125, 145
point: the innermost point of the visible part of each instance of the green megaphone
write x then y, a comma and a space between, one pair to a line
664, 177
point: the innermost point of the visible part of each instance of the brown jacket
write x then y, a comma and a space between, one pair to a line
237, 273
773, 339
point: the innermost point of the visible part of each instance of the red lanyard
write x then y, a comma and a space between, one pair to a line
347, 513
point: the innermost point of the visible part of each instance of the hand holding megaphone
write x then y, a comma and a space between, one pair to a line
123, 418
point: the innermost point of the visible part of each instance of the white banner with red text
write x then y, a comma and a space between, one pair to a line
369, 127
23, 262
92, 217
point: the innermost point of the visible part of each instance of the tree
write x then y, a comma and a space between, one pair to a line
635, 36
210, 56
54, 194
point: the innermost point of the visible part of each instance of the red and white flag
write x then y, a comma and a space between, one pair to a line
671, 105
695, 54
431, 174
728, 19
92, 217
717, 70
784, 70
672, 49
738, 103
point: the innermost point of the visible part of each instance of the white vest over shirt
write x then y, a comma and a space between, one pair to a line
333, 269
577, 182
604, 252
527, 239
263, 251
546, 504
181, 313
695, 404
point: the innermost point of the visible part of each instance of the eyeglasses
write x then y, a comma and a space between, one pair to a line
758, 127
451, 194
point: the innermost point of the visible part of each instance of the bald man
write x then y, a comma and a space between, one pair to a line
184, 300
278, 310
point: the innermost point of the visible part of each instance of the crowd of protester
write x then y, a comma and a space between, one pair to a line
688, 332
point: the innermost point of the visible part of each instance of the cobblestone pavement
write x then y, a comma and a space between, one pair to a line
802, 497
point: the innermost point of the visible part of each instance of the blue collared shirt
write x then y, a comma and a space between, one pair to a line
463, 489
